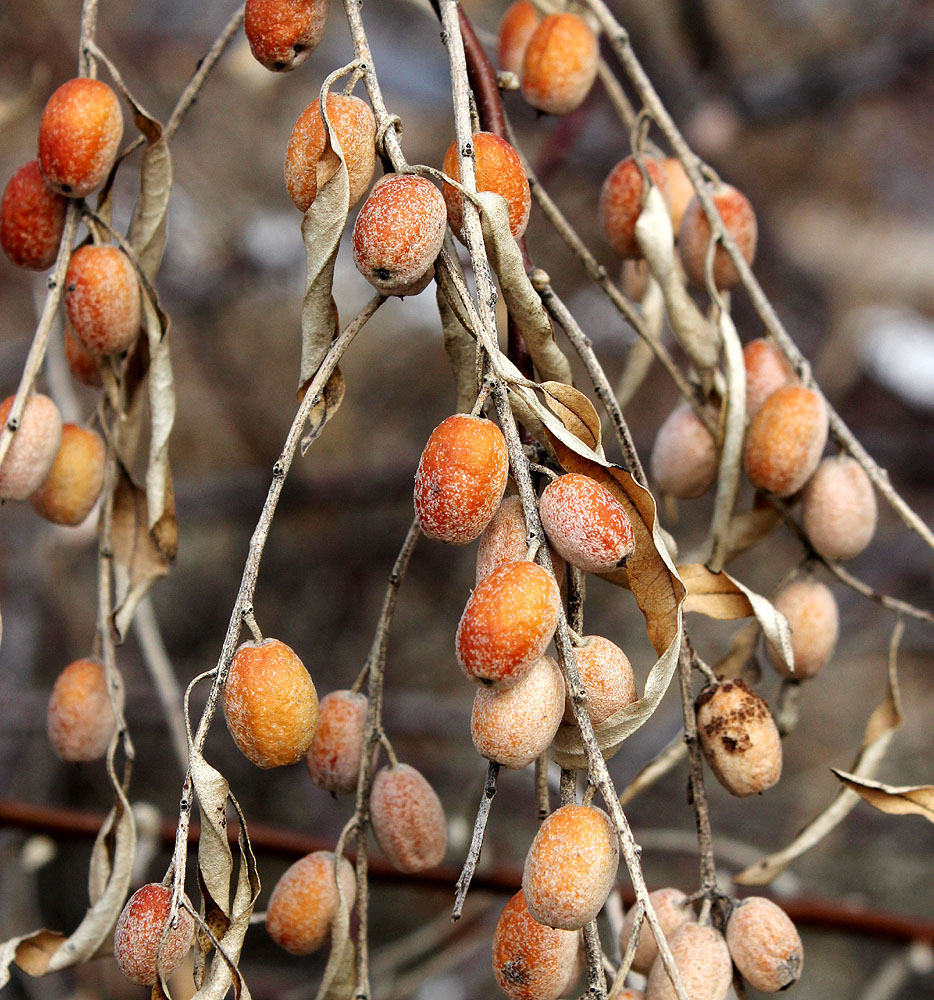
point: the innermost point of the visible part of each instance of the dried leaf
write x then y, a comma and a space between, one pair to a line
750, 527
575, 411
327, 406
903, 800
160, 500
339, 977
461, 348
147, 228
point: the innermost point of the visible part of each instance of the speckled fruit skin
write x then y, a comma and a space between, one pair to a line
79, 136
515, 30
673, 912
81, 362
680, 190
606, 673
767, 370
530, 960
571, 866
33, 449
407, 818
398, 234
839, 508
283, 33
76, 478
703, 960
812, 614
32, 217
621, 203
764, 944
504, 540
507, 623
305, 901
694, 237
334, 756
307, 166
498, 169
585, 523
684, 457
461, 478
560, 64
139, 932
102, 299
739, 738
270, 704
79, 718
515, 726
785, 440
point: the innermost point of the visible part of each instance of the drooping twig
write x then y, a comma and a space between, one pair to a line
476, 843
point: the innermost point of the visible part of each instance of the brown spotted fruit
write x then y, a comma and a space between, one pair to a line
560, 64
785, 440
33, 449
839, 508
673, 910
80, 718
702, 958
102, 299
814, 619
621, 203
333, 758
138, 937
607, 676
684, 457
283, 33
32, 217
694, 237
76, 478
764, 944
407, 819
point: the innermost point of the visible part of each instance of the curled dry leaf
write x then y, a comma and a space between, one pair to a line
576, 412
327, 405
897, 800
148, 226
340, 973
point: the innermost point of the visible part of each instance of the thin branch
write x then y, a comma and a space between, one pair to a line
476, 842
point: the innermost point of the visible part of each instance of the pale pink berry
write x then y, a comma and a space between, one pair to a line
764, 944
702, 958
814, 619
139, 932
684, 456
673, 912
407, 818
839, 508
33, 449
334, 756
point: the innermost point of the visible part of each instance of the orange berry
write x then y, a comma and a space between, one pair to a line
531, 961
739, 738
785, 440
764, 944
76, 478
504, 540
585, 523
673, 911
680, 189
79, 136
407, 819
33, 449
515, 30
81, 363
560, 64
684, 458
767, 370
694, 237
461, 478
398, 234
812, 614
306, 164
606, 673
102, 299
498, 169
571, 866
270, 703
32, 217
80, 716
305, 901
283, 33
839, 508
516, 725
507, 623
334, 756
702, 958
621, 203
139, 931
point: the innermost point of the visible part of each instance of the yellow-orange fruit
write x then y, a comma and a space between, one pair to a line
702, 958
515, 30
407, 819
507, 623
531, 961
504, 540
398, 234
764, 944
585, 523
515, 726
461, 478
270, 703
33, 449
81, 362
102, 299
32, 217
839, 508
79, 136
606, 673
785, 440
812, 614
305, 901
694, 237
283, 33
739, 738
560, 64
80, 717
570, 868
673, 911
767, 370
621, 203
498, 169
334, 756
307, 166
680, 190
76, 478
138, 935
684, 456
